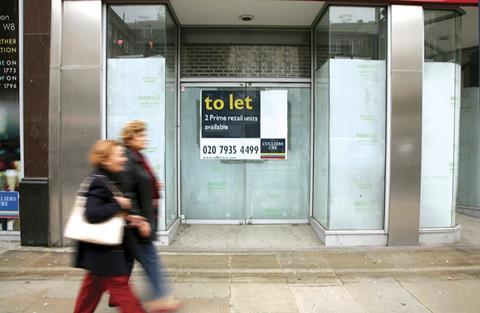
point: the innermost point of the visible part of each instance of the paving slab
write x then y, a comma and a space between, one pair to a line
472, 286
443, 297
202, 290
18, 296
267, 278
328, 299
460, 274
441, 257
383, 297
205, 305
348, 260
218, 262
314, 279
63, 305
444, 279
54, 259
302, 260
188, 277
63, 289
268, 261
172, 261
245, 238
42, 274
18, 258
256, 298
470, 254
364, 276
425, 276
52, 305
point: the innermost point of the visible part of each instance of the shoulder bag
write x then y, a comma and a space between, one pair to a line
107, 233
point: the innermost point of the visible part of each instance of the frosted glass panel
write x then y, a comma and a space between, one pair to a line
320, 197
357, 143
469, 158
440, 115
281, 187
136, 91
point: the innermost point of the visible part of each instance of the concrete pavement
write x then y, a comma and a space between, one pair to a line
441, 279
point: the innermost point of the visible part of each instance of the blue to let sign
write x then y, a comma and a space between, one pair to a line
8, 204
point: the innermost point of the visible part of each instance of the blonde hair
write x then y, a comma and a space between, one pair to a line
131, 129
101, 151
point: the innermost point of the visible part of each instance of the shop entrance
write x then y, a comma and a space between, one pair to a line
246, 191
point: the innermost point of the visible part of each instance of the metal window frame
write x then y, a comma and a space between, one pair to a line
103, 66
320, 15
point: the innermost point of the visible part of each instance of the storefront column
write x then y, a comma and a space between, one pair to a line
34, 202
406, 124
54, 125
78, 94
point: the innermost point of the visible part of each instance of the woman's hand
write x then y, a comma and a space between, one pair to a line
144, 229
135, 220
140, 223
125, 203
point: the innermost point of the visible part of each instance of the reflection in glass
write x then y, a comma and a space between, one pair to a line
350, 116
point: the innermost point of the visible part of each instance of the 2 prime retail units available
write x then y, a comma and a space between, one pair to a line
356, 119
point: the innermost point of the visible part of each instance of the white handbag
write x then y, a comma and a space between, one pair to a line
107, 233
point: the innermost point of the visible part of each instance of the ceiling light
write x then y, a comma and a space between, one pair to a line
247, 17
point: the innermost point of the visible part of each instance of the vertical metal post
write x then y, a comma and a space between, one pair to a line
406, 124
80, 123
55, 186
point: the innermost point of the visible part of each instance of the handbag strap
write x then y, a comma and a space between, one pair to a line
111, 186
85, 185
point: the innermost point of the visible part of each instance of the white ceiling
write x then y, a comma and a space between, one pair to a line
278, 13
227, 12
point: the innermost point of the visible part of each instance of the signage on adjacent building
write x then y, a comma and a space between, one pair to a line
243, 125
8, 204
9, 45
9, 96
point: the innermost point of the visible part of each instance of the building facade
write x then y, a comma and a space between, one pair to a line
358, 118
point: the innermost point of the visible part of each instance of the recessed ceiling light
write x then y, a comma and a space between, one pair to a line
247, 17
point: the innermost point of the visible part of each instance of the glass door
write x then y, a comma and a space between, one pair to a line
271, 189
278, 189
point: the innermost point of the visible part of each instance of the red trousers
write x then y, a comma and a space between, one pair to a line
93, 287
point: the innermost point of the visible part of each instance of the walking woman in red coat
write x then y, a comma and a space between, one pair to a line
108, 267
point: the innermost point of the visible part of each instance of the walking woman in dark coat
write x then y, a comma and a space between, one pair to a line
108, 267
142, 187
